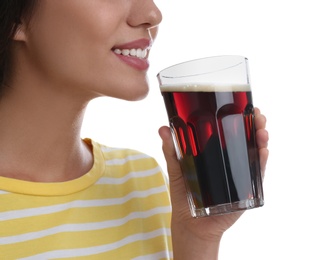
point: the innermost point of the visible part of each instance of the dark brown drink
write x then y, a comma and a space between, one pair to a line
213, 128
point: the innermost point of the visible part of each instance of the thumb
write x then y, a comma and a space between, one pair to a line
177, 186
169, 152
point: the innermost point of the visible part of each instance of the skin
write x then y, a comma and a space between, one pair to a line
61, 61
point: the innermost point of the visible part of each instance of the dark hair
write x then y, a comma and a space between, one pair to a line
11, 12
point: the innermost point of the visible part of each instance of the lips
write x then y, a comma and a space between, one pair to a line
134, 53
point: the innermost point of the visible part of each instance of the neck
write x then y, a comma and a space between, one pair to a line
40, 129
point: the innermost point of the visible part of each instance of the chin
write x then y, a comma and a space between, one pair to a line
137, 96
136, 93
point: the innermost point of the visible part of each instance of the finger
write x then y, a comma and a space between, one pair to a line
167, 142
264, 155
262, 138
257, 111
177, 187
260, 120
169, 152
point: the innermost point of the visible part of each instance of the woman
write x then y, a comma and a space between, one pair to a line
62, 196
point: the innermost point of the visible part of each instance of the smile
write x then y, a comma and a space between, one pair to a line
138, 53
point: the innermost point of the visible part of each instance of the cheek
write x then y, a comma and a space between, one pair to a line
67, 48
66, 56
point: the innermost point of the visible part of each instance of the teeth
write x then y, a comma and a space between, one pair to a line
139, 53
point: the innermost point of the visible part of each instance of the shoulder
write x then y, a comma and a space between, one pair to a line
121, 156
130, 170
123, 161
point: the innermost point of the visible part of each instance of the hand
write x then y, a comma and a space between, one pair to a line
204, 234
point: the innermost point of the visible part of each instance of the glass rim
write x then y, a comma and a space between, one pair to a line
163, 73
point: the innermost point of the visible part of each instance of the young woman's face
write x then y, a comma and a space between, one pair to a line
97, 46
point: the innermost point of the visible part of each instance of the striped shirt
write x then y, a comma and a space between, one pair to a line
120, 209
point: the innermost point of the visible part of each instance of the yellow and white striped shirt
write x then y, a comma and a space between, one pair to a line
120, 209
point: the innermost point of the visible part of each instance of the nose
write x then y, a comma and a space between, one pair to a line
144, 13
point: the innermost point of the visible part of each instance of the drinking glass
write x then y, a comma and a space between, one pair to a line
211, 115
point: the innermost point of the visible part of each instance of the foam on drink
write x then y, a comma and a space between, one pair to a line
206, 88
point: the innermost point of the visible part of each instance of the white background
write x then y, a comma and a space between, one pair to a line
283, 42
